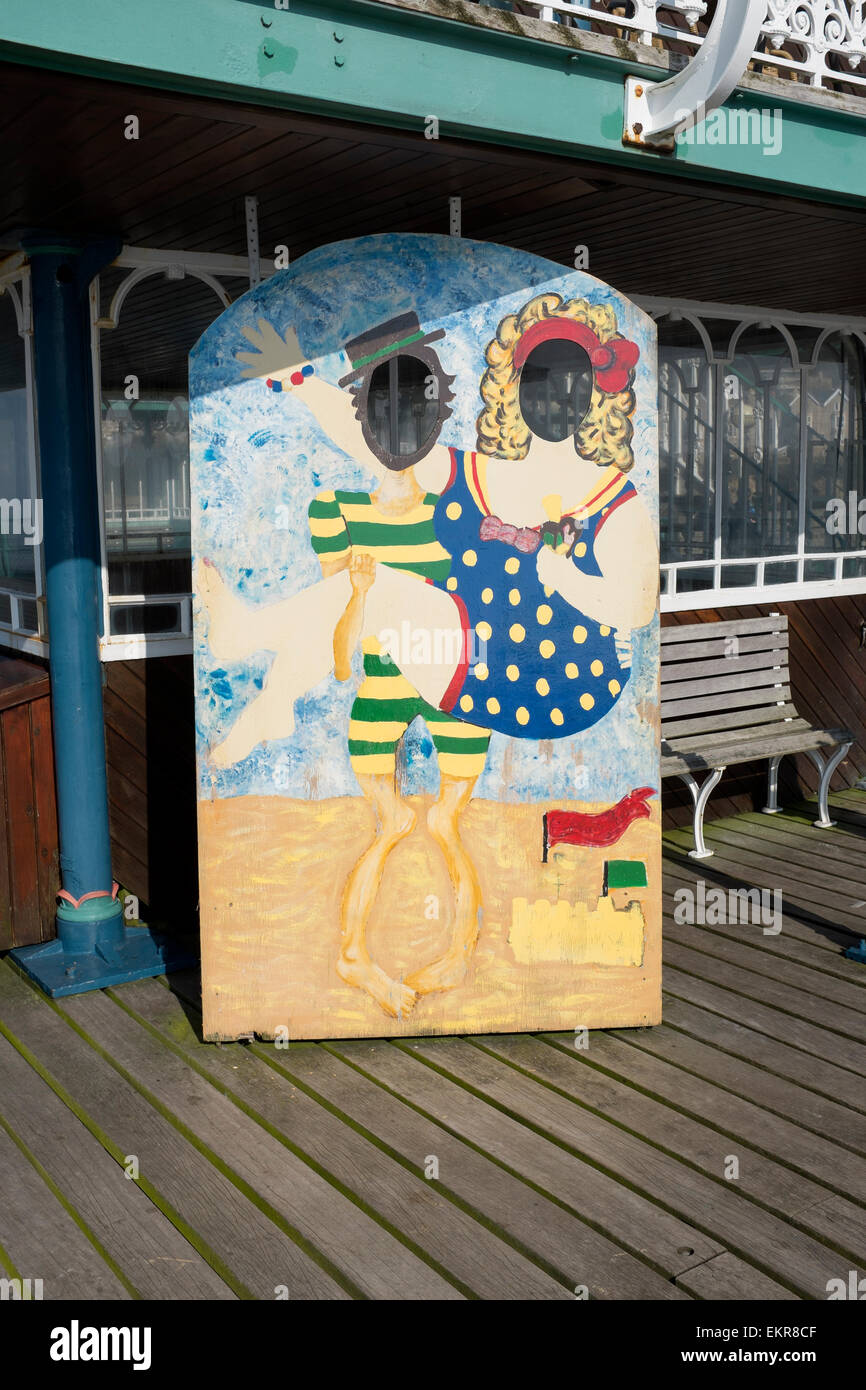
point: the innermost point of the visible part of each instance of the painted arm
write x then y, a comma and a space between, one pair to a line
362, 572
333, 408
623, 596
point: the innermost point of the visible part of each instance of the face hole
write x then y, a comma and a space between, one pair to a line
403, 404
555, 388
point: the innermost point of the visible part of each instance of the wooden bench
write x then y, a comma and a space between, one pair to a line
726, 699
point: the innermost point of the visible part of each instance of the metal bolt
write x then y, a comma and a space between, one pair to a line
339, 62
637, 128
338, 36
638, 91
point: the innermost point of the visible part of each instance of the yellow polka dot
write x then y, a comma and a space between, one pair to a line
557, 716
544, 614
547, 648
451, 584
580, 549
571, 671
469, 557
542, 686
586, 701
614, 687
597, 668
484, 630
521, 715
605, 631
580, 633
512, 673
492, 705
481, 671
466, 703
453, 510
514, 597
512, 565
516, 632
486, 595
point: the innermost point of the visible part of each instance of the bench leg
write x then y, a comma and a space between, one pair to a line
825, 771
772, 807
700, 796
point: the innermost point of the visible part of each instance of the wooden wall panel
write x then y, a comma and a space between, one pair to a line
149, 740
828, 679
29, 857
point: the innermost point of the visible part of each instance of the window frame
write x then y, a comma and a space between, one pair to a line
16, 284
742, 318
142, 263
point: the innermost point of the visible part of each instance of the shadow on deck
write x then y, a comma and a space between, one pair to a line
720, 1155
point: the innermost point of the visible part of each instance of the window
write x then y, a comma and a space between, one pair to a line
149, 317
761, 456
21, 583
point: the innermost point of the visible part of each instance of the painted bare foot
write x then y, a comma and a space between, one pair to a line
446, 972
396, 999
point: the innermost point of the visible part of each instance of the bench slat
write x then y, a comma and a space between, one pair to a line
718, 646
687, 743
687, 632
709, 704
755, 750
719, 684
727, 719
773, 659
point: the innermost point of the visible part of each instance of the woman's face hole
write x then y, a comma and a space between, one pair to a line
555, 389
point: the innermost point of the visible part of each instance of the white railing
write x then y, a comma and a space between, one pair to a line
821, 43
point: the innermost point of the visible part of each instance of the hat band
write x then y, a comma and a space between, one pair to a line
392, 347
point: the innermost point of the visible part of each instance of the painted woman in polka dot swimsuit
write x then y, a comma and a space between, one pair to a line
534, 667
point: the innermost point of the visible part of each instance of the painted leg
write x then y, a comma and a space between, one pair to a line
443, 820
772, 807
354, 966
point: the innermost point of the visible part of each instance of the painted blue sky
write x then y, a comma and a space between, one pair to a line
257, 458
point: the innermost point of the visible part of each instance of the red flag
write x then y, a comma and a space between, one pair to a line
598, 828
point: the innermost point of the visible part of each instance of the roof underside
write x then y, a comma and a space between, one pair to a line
67, 167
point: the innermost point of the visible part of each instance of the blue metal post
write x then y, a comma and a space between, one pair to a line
93, 946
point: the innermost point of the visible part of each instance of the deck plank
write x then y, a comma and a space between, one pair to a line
449, 1236
634, 1221
43, 1241
791, 1257
229, 1230
151, 1253
766, 1148
285, 1186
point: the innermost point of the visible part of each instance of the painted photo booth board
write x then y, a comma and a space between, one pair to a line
424, 480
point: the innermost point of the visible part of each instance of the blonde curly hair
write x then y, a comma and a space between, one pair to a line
605, 433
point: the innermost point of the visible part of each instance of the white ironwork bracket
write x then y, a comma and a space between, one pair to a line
653, 110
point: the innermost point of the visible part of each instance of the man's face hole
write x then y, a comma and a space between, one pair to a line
555, 388
403, 405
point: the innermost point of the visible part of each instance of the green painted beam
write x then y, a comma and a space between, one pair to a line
388, 65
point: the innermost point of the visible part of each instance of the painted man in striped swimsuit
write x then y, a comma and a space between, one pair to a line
393, 527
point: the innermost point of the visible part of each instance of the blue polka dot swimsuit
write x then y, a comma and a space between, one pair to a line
534, 666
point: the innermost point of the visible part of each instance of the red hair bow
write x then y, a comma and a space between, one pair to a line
612, 361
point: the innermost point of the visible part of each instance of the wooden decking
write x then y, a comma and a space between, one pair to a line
721, 1155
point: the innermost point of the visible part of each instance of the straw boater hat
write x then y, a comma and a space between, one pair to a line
384, 341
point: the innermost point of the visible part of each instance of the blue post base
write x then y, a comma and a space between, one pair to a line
857, 952
94, 949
